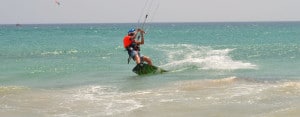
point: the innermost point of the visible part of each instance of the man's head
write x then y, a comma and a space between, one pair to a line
131, 32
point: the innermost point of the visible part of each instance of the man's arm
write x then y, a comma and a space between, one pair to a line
142, 35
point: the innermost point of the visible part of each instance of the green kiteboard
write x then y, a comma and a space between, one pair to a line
147, 69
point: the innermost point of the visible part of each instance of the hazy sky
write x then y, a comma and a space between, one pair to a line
110, 11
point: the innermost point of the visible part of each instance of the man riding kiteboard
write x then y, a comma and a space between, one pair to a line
133, 46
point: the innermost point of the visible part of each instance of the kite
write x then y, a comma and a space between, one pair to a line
57, 2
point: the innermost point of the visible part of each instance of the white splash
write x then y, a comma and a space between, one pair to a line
185, 55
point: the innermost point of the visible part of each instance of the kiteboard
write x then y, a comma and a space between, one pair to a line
147, 69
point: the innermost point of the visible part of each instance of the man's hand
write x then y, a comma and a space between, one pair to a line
140, 30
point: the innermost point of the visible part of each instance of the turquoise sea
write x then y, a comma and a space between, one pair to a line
231, 69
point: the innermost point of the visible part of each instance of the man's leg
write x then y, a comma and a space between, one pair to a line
148, 60
137, 58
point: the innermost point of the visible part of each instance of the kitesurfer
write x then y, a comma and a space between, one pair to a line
132, 46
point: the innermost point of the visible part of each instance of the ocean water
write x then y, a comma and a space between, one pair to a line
242, 69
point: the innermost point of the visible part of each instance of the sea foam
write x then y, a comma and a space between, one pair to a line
183, 56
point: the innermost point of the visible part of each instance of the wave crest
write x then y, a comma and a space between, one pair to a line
184, 56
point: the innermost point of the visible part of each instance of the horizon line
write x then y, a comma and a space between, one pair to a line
152, 22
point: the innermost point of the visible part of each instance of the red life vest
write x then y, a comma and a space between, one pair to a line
127, 41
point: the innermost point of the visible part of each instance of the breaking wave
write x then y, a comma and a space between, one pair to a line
185, 56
